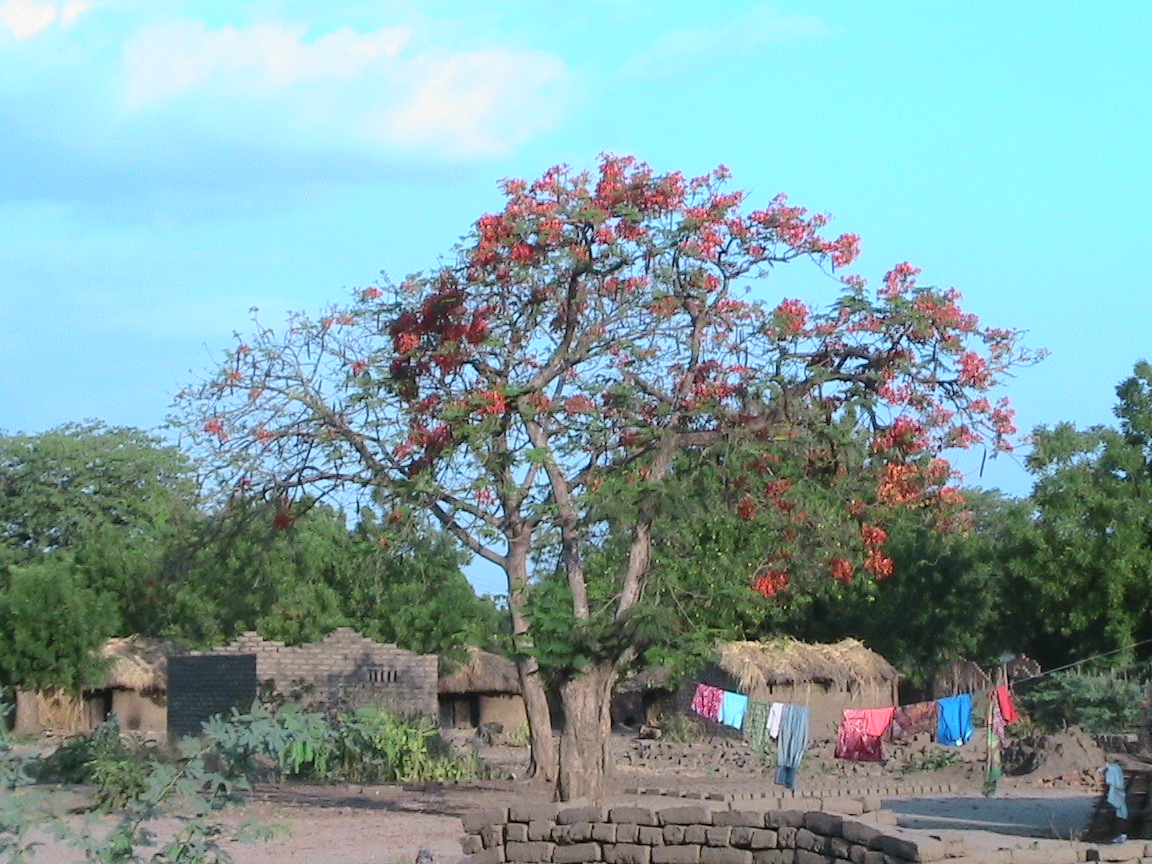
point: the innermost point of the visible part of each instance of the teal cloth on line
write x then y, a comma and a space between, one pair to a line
732, 709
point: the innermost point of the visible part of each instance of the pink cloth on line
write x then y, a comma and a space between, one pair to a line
861, 733
707, 701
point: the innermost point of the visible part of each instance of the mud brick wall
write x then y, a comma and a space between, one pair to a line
710, 833
200, 687
346, 670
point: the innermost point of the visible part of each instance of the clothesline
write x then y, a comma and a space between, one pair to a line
1082, 662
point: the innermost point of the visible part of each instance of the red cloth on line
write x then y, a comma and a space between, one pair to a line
706, 701
1007, 708
861, 733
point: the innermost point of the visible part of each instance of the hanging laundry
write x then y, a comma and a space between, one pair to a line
706, 701
793, 743
995, 725
775, 715
732, 708
954, 720
909, 720
1007, 707
756, 726
861, 734
1114, 777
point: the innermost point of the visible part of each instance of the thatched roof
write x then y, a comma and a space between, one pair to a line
848, 664
484, 672
138, 663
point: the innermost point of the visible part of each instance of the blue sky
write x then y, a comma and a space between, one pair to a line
169, 165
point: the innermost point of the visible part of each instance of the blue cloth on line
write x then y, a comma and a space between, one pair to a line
793, 743
954, 720
732, 708
1114, 777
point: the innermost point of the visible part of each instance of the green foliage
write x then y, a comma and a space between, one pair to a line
366, 745
103, 758
1078, 576
679, 728
53, 627
934, 761
1095, 703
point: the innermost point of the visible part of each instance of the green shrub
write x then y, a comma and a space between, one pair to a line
1095, 703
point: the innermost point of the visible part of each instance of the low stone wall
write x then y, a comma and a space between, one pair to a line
718, 833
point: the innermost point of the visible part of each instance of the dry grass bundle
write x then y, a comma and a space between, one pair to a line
138, 663
60, 712
484, 672
847, 664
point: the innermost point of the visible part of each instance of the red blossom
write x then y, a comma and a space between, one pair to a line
770, 582
840, 570
746, 508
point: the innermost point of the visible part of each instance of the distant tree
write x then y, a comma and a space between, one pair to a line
585, 337
53, 628
1080, 572
90, 483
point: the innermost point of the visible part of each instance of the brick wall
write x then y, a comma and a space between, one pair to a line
346, 669
716, 833
199, 687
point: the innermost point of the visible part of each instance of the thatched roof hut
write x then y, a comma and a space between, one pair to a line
138, 663
760, 667
484, 672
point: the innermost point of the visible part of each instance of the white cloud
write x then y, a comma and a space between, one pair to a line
465, 103
168, 59
25, 18
679, 50
478, 103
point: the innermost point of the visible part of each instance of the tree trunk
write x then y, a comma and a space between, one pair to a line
543, 745
585, 742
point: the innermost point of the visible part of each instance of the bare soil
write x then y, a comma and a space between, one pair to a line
390, 824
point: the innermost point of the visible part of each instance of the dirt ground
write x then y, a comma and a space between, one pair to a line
392, 824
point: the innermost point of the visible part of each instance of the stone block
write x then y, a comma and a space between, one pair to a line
859, 832
693, 815
786, 836
872, 803
627, 853
697, 834
828, 824
762, 838
839, 848
912, 848
604, 832
1128, 851
676, 855
650, 835
673, 835
721, 836
473, 822
578, 854
532, 813
536, 852
847, 806
572, 815
634, 815
810, 840
540, 829
807, 856
773, 856
471, 844
496, 835
717, 855
742, 836
580, 832
784, 818
627, 833
517, 832
488, 856
745, 818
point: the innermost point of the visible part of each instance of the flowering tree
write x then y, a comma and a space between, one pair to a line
584, 339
